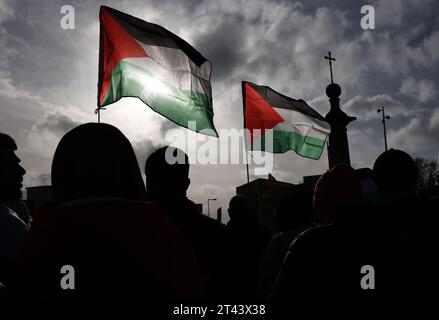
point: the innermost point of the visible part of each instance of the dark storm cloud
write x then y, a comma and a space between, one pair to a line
224, 46
420, 136
50, 58
365, 108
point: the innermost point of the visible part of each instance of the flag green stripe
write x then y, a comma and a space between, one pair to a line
180, 106
306, 146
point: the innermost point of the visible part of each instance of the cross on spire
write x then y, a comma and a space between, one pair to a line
328, 57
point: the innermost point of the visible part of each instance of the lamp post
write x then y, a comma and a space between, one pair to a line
208, 206
384, 125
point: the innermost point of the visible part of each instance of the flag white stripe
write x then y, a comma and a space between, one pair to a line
302, 124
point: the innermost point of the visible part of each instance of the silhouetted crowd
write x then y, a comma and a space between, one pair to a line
125, 241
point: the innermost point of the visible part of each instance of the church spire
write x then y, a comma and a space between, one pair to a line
338, 146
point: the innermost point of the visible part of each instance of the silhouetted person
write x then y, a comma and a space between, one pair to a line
119, 245
395, 174
405, 219
95, 160
293, 216
247, 241
329, 256
12, 228
431, 202
167, 180
433, 207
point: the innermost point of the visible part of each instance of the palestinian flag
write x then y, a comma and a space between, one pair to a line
292, 124
144, 60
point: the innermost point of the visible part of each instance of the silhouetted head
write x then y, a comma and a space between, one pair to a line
239, 208
336, 191
395, 174
167, 174
11, 172
95, 160
294, 211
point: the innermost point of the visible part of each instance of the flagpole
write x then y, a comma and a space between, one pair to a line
100, 66
245, 141
248, 174
98, 112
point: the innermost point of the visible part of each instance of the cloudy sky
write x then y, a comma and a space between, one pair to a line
48, 75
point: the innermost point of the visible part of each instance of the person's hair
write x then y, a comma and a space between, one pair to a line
167, 161
395, 173
7, 142
95, 160
239, 206
294, 210
167, 173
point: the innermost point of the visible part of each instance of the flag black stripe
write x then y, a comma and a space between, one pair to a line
281, 101
153, 34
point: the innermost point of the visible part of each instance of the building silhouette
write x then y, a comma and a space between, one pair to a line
264, 196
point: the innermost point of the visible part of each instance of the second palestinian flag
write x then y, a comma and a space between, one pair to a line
294, 124
144, 60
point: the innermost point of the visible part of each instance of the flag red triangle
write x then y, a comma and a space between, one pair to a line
118, 44
259, 114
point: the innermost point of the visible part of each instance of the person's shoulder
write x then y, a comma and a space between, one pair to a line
4, 211
317, 230
277, 242
312, 236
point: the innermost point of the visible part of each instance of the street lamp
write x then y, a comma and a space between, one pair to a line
384, 126
208, 206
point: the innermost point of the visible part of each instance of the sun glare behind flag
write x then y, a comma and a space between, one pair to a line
292, 124
144, 60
